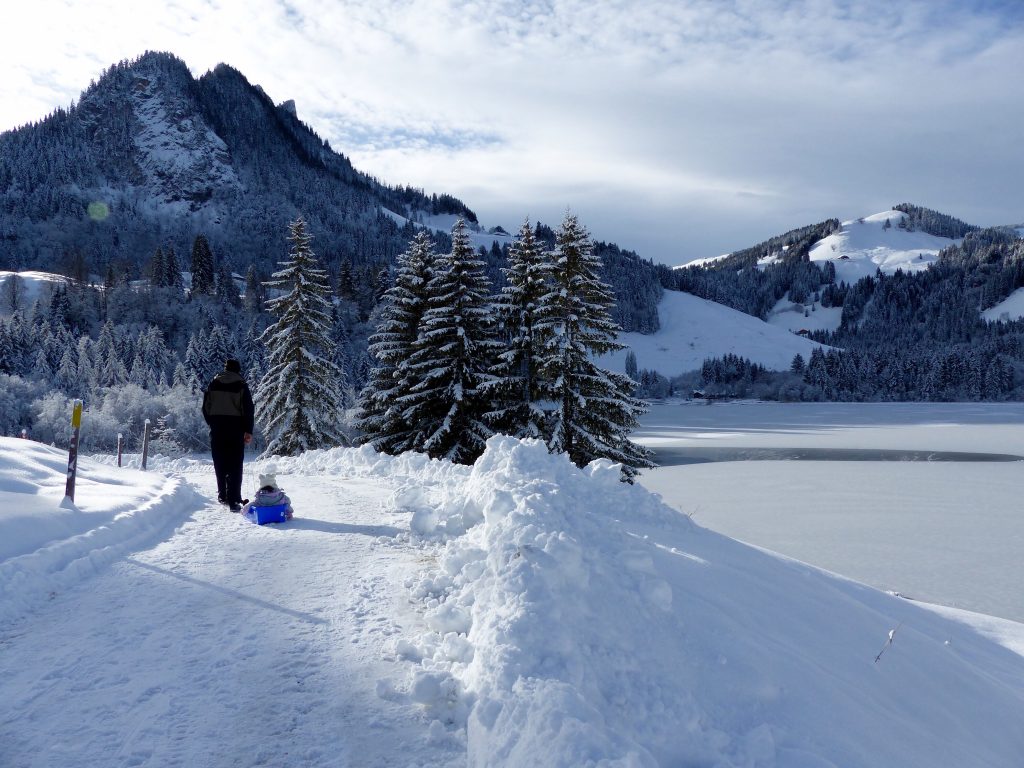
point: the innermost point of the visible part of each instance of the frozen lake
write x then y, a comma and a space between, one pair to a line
921, 499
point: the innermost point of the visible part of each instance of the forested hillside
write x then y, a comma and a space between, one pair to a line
903, 334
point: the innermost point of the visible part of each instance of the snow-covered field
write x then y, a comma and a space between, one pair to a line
916, 498
521, 612
694, 329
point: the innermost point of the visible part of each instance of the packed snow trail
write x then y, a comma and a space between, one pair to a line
229, 644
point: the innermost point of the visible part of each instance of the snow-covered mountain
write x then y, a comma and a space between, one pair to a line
860, 248
151, 156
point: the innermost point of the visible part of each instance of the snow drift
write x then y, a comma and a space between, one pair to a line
47, 543
574, 620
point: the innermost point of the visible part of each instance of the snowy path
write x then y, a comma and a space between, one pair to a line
229, 644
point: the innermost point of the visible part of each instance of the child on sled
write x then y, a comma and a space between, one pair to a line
271, 495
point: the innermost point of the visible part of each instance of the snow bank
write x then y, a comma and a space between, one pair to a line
575, 620
47, 543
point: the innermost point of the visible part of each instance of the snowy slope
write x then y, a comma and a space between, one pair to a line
1010, 308
811, 316
865, 245
444, 223
36, 286
518, 612
694, 329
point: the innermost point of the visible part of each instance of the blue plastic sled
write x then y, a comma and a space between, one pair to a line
264, 515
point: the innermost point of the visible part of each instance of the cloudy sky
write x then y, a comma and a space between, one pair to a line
678, 129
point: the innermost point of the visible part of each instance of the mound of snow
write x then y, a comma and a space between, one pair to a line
866, 245
576, 620
47, 543
694, 329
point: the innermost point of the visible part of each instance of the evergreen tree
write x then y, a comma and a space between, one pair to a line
197, 361
253, 290
185, 379
157, 269
219, 347
594, 411
202, 267
515, 386
632, 367
226, 290
253, 354
172, 271
6, 350
86, 368
380, 415
346, 283
67, 374
454, 347
299, 401
42, 371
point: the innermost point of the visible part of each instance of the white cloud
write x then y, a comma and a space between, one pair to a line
682, 129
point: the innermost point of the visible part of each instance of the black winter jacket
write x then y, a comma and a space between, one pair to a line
227, 404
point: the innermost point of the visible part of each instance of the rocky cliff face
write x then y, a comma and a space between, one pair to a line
180, 159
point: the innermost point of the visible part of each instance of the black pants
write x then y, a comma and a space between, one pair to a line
228, 449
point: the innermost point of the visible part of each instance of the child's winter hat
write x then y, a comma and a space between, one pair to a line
270, 478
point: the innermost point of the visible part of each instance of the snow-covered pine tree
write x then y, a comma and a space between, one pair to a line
379, 415
515, 387
341, 335
453, 352
253, 301
299, 402
594, 411
202, 267
67, 374
225, 288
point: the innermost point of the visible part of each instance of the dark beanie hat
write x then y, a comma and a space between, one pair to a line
232, 365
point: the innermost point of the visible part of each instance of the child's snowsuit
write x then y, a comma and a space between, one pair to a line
270, 496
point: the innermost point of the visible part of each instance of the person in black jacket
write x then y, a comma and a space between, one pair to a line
228, 410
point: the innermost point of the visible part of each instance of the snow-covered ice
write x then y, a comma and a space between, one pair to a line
520, 612
879, 500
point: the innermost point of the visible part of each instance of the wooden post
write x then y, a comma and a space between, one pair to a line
120, 447
76, 426
145, 444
